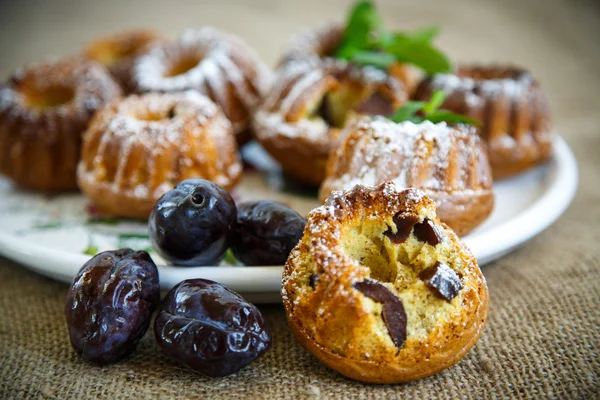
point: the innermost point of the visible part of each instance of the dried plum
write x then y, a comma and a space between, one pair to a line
443, 280
394, 315
209, 328
193, 224
428, 231
266, 232
110, 303
404, 226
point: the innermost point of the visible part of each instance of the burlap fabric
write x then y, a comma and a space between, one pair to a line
542, 337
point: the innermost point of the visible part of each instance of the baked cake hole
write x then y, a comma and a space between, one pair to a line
50, 97
183, 65
344, 103
364, 245
155, 116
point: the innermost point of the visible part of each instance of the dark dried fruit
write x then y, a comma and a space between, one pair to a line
312, 280
394, 315
442, 280
210, 328
377, 104
404, 226
428, 231
193, 224
266, 232
110, 304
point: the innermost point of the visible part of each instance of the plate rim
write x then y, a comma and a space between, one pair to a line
563, 181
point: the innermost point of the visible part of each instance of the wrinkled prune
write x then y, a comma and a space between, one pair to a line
110, 303
404, 226
266, 232
193, 224
210, 328
394, 315
428, 231
443, 280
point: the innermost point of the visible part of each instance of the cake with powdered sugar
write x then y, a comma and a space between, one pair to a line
448, 162
308, 105
217, 64
138, 148
511, 106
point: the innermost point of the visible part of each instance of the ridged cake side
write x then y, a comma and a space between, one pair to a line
449, 163
511, 106
139, 147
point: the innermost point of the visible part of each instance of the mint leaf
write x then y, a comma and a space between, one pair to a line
407, 111
425, 34
363, 22
420, 53
376, 59
435, 101
447, 116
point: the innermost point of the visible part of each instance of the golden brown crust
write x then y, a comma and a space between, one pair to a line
119, 52
44, 110
139, 147
217, 64
449, 163
302, 115
344, 328
511, 106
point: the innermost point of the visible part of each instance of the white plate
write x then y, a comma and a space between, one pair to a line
49, 234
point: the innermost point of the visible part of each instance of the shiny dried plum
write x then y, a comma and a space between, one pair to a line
110, 303
210, 328
443, 280
394, 315
404, 226
428, 231
193, 224
266, 232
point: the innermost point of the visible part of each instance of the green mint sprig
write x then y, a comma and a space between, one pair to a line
366, 42
419, 111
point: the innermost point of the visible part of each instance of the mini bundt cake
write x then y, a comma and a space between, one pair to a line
301, 117
44, 110
380, 290
512, 107
139, 147
319, 44
119, 52
449, 163
217, 64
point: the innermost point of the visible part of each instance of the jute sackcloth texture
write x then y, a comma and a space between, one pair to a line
542, 337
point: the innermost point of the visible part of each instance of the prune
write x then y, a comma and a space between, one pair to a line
394, 315
210, 328
428, 231
442, 280
110, 304
193, 224
404, 226
266, 232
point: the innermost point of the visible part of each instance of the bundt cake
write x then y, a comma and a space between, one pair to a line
321, 43
310, 102
380, 290
217, 64
510, 104
139, 147
44, 109
119, 52
449, 163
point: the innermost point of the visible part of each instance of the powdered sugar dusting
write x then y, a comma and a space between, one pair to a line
215, 73
407, 154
